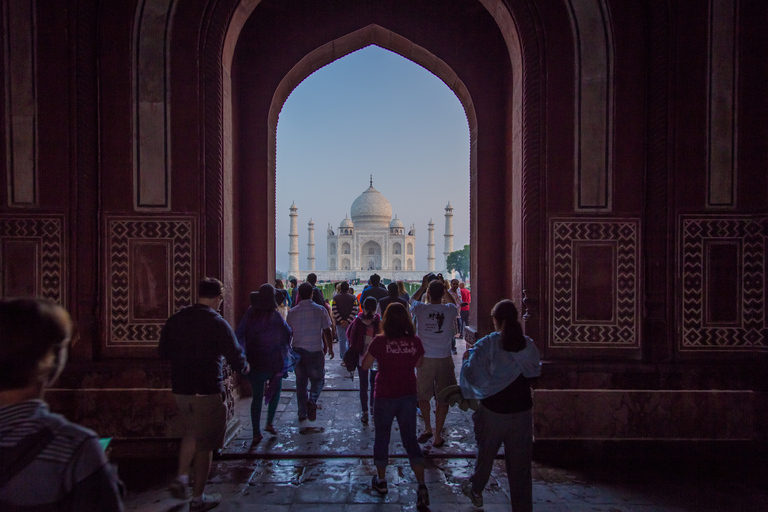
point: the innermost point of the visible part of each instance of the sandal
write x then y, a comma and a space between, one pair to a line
424, 437
270, 429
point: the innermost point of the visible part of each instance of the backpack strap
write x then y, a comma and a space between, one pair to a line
19, 456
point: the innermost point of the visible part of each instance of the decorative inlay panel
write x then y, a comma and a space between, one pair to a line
44, 236
150, 275
622, 328
749, 233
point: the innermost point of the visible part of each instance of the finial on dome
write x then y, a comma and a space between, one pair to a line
371, 179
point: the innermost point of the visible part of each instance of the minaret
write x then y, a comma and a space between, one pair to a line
448, 236
293, 246
311, 247
431, 247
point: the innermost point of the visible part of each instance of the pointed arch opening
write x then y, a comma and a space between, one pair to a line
497, 154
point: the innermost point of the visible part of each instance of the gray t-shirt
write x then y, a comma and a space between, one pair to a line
435, 327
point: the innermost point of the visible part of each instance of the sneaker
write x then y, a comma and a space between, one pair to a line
179, 490
208, 502
311, 410
476, 499
364, 418
422, 496
379, 486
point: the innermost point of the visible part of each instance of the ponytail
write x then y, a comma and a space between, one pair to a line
512, 337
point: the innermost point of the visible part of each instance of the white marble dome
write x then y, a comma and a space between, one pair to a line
371, 207
396, 223
346, 223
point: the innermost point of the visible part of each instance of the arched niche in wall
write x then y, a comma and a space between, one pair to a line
151, 108
592, 31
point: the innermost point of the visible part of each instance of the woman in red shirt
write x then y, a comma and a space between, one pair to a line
398, 352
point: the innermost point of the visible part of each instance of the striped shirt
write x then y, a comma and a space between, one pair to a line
66, 470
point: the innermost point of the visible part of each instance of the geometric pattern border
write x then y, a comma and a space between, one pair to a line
49, 230
751, 232
624, 330
179, 233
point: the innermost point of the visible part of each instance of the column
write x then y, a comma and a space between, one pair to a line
448, 237
293, 246
311, 247
431, 247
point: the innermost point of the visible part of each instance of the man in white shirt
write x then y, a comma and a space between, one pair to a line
312, 339
435, 323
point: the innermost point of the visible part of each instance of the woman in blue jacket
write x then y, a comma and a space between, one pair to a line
497, 371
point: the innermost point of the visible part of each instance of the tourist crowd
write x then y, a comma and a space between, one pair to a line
401, 346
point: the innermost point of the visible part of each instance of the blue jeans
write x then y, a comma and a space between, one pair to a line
363, 374
311, 367
384, 412
342, 335
258, 379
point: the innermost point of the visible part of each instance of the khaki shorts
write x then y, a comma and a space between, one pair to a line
434, 375
204, 418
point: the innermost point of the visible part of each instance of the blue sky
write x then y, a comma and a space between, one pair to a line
376, 113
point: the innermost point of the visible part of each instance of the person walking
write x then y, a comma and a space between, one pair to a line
397, 351
194, 340
285, 304
453, 295
375, 289
402, 293
498, 370
46, 462
434, 322
466, 298
312, 340
266, 338
344, 313
360, 334
293, 292
392, 296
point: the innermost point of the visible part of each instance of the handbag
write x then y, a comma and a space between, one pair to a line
351, 359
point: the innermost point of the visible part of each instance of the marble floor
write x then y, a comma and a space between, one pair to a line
327, 465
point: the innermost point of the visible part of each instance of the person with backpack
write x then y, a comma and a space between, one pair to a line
360, 333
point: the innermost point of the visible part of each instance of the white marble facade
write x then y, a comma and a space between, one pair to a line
368, 240
371, 240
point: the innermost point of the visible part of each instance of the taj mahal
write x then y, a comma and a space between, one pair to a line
372, 240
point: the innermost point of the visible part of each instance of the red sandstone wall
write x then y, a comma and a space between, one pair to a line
78, 242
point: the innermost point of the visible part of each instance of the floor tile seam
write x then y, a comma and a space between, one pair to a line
308, 455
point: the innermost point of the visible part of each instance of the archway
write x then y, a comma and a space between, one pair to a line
498, 152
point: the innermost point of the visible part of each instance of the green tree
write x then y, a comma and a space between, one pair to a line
458, 261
